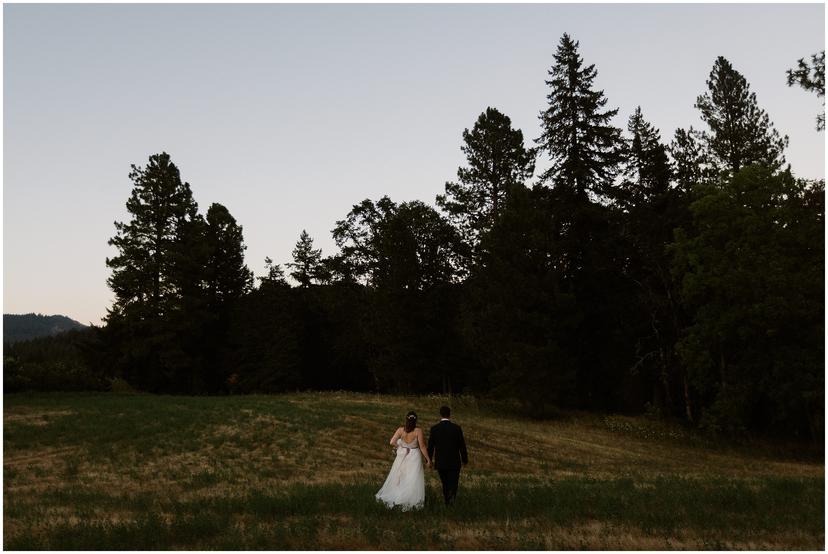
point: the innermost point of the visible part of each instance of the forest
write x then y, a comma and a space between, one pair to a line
683, 278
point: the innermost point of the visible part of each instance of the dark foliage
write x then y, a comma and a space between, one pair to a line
521, 319
684, 279
811, 77
751, 273
69, 361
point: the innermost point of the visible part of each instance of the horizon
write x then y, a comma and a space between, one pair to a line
290, 114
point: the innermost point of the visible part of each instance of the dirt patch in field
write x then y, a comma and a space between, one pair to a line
507, 535
39, 418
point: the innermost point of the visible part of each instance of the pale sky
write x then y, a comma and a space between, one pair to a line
290, 114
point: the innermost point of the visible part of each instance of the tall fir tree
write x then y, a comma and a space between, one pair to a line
741, 133
586, 150
583, 146
496, 160
307, 261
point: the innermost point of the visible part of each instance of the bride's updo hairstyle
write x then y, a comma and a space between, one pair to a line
410, 421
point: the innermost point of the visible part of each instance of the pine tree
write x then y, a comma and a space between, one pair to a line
496, 160
811, 78
146, 277
741, 133
584, 148
160, 204
307, 261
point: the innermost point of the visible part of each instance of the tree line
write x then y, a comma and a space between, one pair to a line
630, 274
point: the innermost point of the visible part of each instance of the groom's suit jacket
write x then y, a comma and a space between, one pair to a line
447, 447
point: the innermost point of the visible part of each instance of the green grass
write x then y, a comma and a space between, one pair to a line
108, 471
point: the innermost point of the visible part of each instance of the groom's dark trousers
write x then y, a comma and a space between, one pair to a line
450, 479
447, 449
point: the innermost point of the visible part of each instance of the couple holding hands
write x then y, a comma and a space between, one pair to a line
446, 451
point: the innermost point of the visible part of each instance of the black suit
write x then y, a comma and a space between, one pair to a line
447, 449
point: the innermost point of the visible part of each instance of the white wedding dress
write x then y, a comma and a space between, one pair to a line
405, 484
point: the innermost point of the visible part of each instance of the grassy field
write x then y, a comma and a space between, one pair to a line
107, 471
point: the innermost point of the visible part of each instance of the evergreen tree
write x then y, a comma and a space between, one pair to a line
583, 147
740, 131
691, 163
496, 160
646, 169
586, 150
159, 205
229, 277
307, 261
144, 278
275, 275
811, 78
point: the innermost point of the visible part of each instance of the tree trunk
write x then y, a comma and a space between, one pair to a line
688, 404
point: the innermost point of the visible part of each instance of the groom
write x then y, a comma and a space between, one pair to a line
447, 443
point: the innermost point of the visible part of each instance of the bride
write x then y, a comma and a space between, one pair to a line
405, 484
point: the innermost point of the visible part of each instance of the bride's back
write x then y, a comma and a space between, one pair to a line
409, 442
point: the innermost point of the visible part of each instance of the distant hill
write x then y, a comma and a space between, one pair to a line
17, 327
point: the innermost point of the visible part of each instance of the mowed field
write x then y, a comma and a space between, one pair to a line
299, 471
